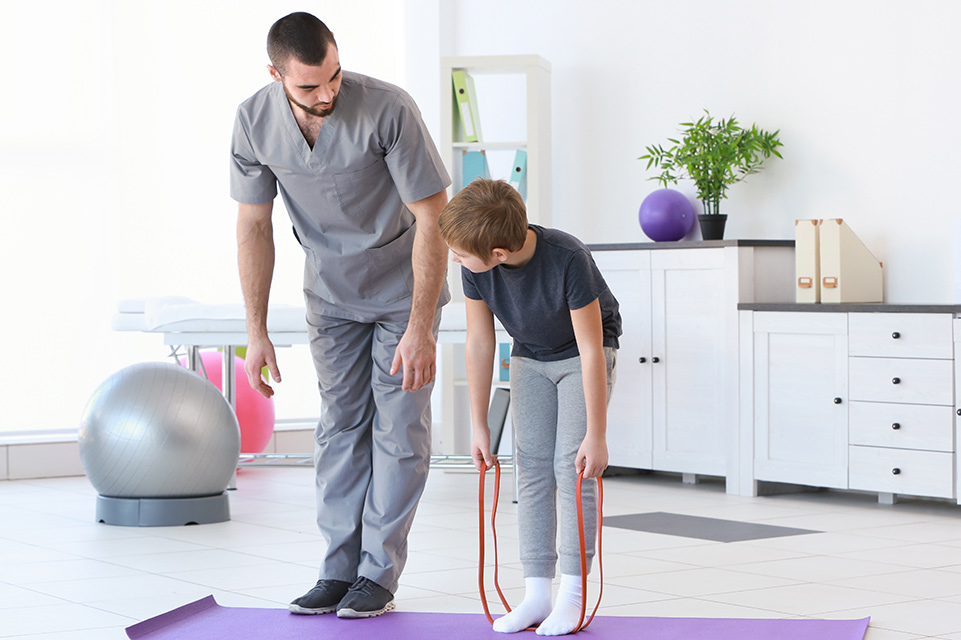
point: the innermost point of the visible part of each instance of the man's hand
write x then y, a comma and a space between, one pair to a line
417, 354
591, 457
260, 354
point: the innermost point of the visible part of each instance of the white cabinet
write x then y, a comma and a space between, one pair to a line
800, 391
630, 414
902, 398
674, 406
891, 369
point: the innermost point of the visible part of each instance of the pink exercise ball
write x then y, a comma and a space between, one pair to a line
255, 413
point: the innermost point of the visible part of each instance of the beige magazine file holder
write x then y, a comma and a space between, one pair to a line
834, 266
807, 261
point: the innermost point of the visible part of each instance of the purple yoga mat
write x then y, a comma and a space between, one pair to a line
207, 620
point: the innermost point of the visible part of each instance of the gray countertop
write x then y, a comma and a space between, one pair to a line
863, 307
688, 244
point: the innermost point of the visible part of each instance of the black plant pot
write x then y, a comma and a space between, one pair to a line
712, 226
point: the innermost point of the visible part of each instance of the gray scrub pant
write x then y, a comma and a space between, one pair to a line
550, 421
372, 448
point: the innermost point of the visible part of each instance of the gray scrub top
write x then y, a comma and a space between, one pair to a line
346, 196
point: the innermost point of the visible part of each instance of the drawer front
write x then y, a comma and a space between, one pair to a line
901, 426
901, 380
900, 335
916, 473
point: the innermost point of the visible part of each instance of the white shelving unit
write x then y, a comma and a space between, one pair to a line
497, 106
514, 103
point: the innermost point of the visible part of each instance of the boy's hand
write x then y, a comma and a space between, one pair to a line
480, 450
591, 457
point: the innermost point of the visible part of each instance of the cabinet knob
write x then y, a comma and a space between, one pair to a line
642, 359
959, 412
837, 401
896, 471
896, 426
655, 359
895, 380
896, 335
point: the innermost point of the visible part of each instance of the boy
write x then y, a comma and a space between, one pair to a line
544, 287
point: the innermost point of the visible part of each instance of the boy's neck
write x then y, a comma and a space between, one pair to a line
523, 255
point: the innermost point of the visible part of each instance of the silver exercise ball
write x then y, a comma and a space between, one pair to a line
157, 431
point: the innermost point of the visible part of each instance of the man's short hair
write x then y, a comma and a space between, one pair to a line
300, 35
485, 215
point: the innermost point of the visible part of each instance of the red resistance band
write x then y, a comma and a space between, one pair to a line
580, 523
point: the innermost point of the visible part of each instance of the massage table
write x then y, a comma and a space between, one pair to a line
190, 324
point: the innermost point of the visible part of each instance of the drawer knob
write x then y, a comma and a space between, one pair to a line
837, 401
642, 359
655, 359
896, 471
896, 426
896, 335
895, 380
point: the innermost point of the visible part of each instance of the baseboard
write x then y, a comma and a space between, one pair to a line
55, 454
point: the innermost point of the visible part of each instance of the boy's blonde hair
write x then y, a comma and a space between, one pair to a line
485, 215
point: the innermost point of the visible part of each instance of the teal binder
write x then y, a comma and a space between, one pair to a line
505, 362
473, 165
518, 178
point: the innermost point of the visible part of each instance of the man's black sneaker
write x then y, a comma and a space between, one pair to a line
365, 599
323, 598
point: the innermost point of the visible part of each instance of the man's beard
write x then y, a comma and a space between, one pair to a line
319, 113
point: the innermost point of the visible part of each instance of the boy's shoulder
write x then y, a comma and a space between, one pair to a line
560, 239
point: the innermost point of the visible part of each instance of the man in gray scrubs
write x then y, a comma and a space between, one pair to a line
363, 184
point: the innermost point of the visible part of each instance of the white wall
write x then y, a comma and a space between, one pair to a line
863, 91
116, 116
115, 125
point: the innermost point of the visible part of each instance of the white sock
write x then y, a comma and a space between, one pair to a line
532, 610
567, 609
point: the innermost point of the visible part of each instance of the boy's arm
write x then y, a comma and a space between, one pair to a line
589, 333
480, 372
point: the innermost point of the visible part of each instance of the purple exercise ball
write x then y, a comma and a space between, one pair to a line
666, 215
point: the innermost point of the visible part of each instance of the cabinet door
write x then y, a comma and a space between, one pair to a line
800, 398
956, 325
629, 414
694, 380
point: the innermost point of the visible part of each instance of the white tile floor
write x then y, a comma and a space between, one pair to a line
64, 576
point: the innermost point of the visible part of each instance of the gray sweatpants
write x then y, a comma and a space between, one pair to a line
550, 421
372, 448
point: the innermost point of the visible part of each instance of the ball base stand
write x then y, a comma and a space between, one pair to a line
163, 512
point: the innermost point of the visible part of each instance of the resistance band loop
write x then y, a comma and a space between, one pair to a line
580, 527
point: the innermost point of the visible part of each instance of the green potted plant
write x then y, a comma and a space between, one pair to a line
714, 154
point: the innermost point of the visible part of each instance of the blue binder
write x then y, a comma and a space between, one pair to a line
518, 178
473, 165
505, 362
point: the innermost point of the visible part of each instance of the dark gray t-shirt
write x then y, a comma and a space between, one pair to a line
534, 302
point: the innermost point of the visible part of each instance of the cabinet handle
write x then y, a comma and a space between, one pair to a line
896, 335
642, 359
896, 471
896, 426
655, 359
895, 380
837, 401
